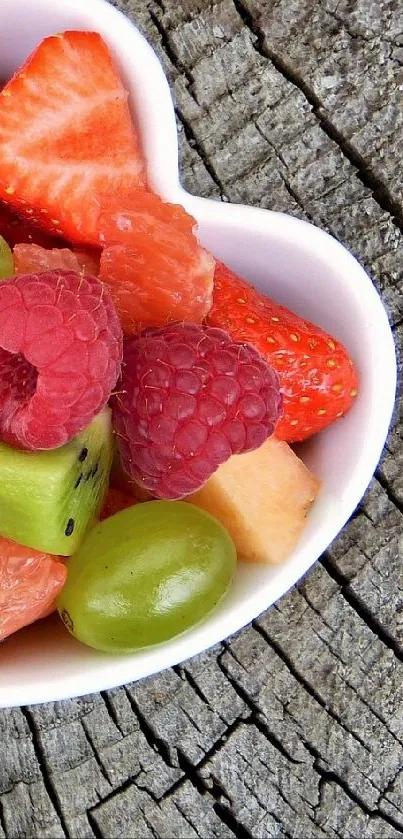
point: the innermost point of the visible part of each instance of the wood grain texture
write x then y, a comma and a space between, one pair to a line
293, 728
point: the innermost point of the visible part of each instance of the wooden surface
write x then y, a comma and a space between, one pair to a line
294, 728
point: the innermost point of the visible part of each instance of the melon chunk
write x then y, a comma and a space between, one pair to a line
262, 498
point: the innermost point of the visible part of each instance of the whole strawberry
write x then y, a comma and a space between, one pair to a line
190, 397
318, 380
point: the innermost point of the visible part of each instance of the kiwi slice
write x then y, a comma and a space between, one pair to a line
48, 500
6, 260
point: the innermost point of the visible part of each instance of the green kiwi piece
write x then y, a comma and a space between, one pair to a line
49, 499
6, 260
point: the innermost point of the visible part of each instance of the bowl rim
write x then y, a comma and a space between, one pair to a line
163, 161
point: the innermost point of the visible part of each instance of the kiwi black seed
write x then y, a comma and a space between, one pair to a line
69, 527
46, 502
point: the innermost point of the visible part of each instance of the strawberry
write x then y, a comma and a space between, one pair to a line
115, 501
16, 231
66, 136
318, 380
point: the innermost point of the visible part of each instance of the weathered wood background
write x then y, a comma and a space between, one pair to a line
294, 728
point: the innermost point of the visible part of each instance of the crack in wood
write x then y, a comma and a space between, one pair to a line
331, 777
222, 804
156, 743
305, 684
365, 702
228, 818
368, 36
390, 785
186, 125
233, 803
113, 793
361, 608
192, 139
364, 170
2, 822
187, 677
221, 741
94, 751
385, 483
149, 825
93, 824
319, 759
282, 173
111, 710
294, 195
328, 776
256, 717
191, 774
41, 760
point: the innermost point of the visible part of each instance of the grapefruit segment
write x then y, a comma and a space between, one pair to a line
32, 259
153, 263
29, 583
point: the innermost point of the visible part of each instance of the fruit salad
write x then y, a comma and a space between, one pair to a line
149, 396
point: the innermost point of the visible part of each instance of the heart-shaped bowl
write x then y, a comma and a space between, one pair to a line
295, 263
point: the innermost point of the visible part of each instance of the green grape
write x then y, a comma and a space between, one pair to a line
145, 575
6, 260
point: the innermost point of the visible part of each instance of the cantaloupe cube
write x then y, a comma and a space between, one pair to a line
262, 498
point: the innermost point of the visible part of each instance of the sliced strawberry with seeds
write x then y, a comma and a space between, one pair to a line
66, 136
16, 230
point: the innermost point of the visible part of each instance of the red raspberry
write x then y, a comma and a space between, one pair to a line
189, 398
60, 356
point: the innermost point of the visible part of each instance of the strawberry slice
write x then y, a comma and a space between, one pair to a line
66, 136
16, 230
318, 380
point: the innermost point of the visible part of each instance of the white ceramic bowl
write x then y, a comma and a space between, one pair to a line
295, 263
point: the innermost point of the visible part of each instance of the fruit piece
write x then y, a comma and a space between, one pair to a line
16, 230
115, 501
32, 259
262, 498
153, 264
188, 398
66, 136
141, 213
29, 583
60, 356
145, 575
318, 380
119, 480
49, 499
6, 260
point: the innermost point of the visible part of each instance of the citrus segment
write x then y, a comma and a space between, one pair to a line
29, 583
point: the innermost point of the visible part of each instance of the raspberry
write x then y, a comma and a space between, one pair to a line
60, 356
190, 397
